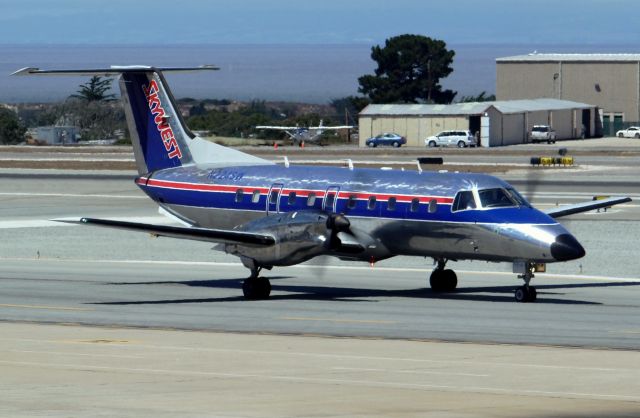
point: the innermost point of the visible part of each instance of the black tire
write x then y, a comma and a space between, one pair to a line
443, 280
371, 144
525, 294
256, 288
461, 144
620, 135
637, 136
431, 144
396, 144
450, 280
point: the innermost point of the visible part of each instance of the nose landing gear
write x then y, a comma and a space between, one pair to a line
525, 293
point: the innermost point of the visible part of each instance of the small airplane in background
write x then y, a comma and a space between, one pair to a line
300, 135
272, 215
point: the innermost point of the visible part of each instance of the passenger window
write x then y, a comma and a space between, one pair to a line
255, 197
239, 195
311, 200
351, 203
371, 204
391, 204
433, 206
415, 204
464, 200
292, 198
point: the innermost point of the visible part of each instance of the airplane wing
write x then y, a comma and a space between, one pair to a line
200, 234
586, 206
332, 127
280, 128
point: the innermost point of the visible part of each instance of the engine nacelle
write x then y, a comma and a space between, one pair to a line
300, 236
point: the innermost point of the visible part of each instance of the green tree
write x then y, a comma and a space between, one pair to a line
482, 97
11, 130
351, 105
95, 90
409, 71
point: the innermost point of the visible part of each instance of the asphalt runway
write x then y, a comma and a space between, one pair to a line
122, 286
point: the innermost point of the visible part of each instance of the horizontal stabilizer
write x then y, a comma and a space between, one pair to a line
111, 71
192, 233
586, 206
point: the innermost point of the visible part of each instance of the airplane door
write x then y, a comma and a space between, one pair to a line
273, 198
330, 198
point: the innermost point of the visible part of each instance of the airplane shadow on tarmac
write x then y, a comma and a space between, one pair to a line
547, 293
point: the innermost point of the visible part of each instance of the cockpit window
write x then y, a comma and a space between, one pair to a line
500, 198
464, 200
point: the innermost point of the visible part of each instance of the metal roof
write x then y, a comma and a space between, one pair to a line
474, 108
535, 57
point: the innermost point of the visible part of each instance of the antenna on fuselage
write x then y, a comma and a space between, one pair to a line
348, 160
419, 167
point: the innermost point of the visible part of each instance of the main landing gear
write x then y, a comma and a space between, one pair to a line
255, 287
442, 280
526, 293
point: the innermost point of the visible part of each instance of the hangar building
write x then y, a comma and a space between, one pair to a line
499, 122
610, 81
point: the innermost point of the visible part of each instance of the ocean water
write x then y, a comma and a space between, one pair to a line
301, 73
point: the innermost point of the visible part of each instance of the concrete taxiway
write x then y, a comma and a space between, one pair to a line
161, 328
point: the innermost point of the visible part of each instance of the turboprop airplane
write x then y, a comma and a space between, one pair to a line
273, 215
301, 135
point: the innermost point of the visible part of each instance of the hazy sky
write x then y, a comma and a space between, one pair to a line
318, 21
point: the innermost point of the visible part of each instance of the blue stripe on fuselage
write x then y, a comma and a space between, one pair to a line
361, 181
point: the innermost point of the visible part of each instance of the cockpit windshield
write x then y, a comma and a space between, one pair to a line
499, 198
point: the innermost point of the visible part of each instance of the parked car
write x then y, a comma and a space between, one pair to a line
542, 133
386, 138
630, 132
458, 139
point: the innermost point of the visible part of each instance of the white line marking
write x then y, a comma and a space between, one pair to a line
355, 369
320, 380
41, 223
357, 268
62, 353
98, 196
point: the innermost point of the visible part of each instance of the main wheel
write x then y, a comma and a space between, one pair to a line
431, 144
461, 144
396, 144
372, 144
256, 288
443, 280
450, 280
620, 135
637, 136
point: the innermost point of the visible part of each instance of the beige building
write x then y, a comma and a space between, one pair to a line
609, 81
498, 123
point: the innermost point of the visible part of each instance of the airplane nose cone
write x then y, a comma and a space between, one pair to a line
566, 248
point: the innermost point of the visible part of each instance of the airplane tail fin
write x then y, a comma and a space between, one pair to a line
159, 135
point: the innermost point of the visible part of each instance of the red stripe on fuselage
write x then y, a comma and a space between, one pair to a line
200, 187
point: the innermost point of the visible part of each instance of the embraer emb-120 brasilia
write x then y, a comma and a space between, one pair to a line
272, 215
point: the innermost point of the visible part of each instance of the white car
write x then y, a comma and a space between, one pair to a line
458, 139
630, 132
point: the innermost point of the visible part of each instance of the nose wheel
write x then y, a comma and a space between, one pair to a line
526, 293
